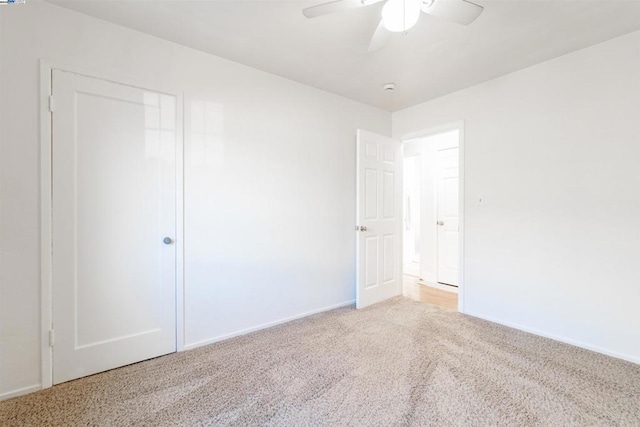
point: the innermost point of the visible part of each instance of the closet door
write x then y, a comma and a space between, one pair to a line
448, 215
114, 224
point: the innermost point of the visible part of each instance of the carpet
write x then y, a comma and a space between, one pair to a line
396, 363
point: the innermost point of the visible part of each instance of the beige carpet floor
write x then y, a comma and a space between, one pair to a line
396, 363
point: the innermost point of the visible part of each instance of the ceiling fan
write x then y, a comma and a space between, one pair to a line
400, 15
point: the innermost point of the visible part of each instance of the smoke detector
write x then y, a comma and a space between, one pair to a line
389, 87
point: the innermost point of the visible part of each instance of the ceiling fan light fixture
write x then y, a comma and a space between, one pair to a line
400, 15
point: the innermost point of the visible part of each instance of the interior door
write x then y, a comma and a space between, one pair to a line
447, 214
379, 219
114, 221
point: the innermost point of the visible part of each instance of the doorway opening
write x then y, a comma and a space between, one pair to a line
431, 218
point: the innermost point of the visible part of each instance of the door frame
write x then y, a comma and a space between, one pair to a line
447, 127
46, 185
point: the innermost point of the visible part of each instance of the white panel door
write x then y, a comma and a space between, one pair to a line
114, 186
448, 211
379, 219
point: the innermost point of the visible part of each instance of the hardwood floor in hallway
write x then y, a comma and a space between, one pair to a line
430, 295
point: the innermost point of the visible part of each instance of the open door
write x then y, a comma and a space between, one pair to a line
379, 219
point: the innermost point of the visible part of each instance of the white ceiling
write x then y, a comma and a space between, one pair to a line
330, 52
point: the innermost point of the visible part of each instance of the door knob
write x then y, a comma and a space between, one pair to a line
440, 223
167, 241
361, 228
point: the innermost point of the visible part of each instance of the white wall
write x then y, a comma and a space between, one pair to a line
554, 149
269, 185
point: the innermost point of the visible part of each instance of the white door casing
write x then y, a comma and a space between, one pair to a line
379, 218
113, 202
448, 215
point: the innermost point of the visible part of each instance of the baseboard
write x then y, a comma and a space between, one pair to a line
266, 325
20, 391
439, 286
554, 337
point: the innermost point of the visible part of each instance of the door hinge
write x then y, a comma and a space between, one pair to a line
51, 338
51, 104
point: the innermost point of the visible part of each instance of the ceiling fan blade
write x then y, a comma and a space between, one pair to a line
380, 38
331, 7
460, 11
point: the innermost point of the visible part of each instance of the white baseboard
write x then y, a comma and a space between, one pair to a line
20, 391
440, 286
554, 337
266, 325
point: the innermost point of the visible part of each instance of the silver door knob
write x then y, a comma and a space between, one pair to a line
361, 228
167, 241
440, 223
